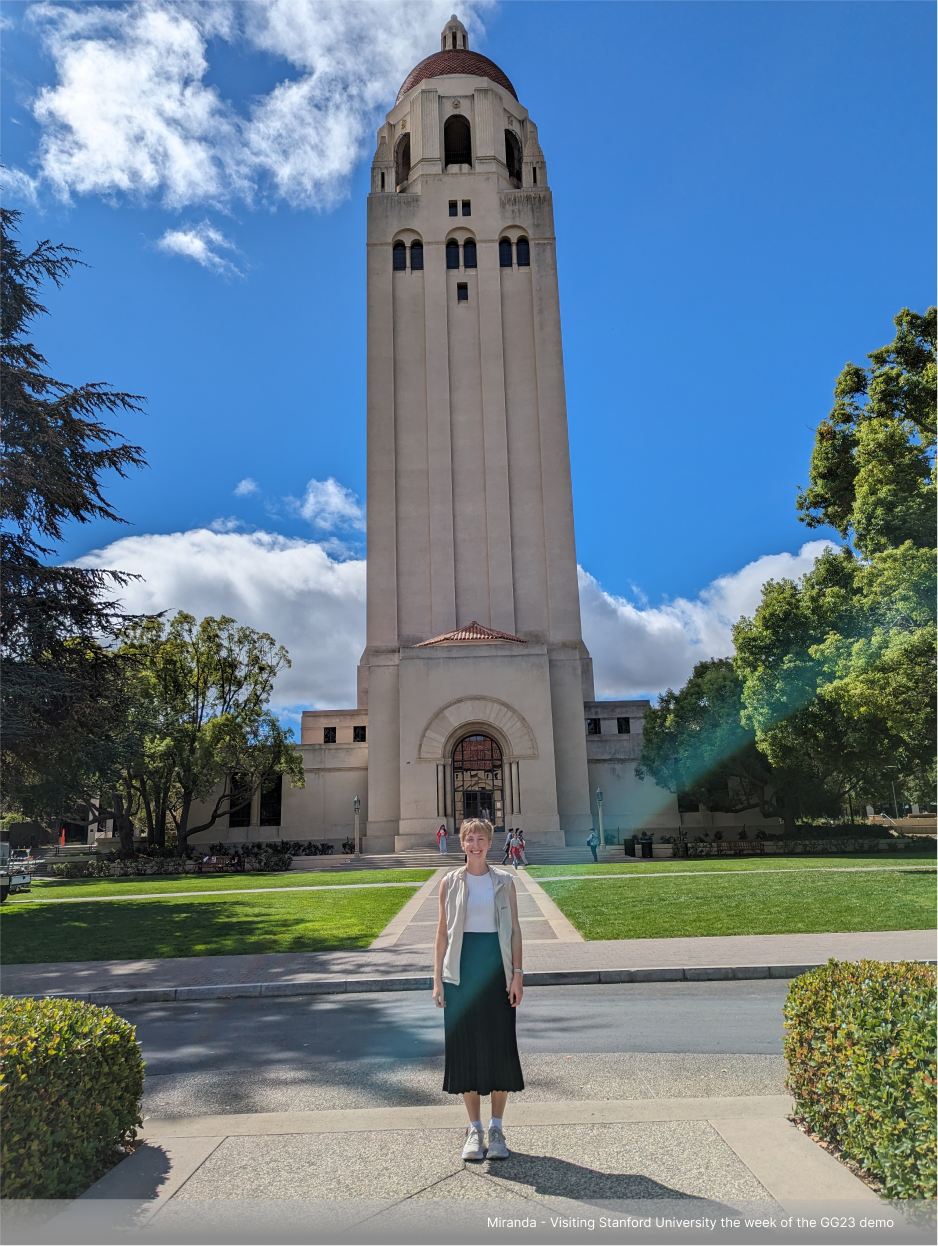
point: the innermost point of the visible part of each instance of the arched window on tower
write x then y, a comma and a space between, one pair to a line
416, 257
457, 141
402, 160
524, 253
469, 254
513, 158
400, 257
452, 253
504, 253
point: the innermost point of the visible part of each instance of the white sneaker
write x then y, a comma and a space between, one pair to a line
474, 1147
497, 1148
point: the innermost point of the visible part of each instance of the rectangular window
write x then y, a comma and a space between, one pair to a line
593, 726
240, 807
462, 292
382, 181
469, 254
466, 207
453, 208
272, 800
359, 735
328, 735
625, 726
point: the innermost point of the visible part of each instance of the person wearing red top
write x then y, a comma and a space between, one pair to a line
441, 840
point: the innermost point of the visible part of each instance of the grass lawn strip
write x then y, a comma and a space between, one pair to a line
720, 865
320, 920
809, 902
175, 895
833, 869
198, 884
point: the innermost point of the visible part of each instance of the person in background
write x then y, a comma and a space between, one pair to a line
508, 835
520, 834
441, 840
515, 850
593, 843
478, 981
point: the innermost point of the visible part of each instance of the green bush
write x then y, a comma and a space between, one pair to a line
860, 1046
71, 1077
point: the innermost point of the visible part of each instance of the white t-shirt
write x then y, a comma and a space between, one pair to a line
480, 908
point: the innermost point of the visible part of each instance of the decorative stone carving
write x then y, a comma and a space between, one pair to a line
476, 711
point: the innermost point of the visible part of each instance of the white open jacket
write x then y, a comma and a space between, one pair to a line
456, 896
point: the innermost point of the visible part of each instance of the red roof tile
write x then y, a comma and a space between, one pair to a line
455, 61
475, 633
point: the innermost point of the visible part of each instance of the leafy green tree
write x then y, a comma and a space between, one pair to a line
872, 468
64, 699
695, 745
209, 739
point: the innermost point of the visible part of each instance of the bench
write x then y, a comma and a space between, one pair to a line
219, 864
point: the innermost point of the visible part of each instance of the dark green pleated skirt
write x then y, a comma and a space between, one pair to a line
481, 1047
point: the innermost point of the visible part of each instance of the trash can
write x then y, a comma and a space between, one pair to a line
628, 847
645, 845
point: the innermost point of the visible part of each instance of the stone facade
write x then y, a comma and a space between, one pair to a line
475, 690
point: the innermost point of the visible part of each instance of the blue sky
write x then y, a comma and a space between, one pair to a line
743, 199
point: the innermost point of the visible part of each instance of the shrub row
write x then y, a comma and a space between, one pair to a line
263, 862
860, 1046
71, 1077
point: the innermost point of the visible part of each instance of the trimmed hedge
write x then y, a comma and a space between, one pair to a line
71, 1078
860, 1046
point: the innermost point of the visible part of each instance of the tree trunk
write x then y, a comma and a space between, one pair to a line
182, 831
124, 826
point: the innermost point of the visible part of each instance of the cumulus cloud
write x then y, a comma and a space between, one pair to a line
202, 244
313, 604
640, 649
130, 112
328, 505
244, 488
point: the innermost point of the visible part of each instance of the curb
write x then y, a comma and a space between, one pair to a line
363, 986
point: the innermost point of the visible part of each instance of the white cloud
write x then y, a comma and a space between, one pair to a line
201, 243
244, 488
131, 114
315, 605
308, 601
328, 505
639, 650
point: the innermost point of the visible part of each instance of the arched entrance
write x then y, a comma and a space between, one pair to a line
477, 780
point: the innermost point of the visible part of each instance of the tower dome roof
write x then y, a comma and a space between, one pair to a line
455, 61
454, 57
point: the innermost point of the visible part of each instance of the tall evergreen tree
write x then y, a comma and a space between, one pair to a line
64, 699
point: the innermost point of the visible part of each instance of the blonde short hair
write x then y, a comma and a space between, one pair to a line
477, 825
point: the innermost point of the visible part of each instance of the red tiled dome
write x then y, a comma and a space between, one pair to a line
455, 61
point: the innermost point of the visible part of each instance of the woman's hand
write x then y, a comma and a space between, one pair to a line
439, 998
515, 991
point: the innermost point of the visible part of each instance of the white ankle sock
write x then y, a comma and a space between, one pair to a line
475, 1124
495, 1122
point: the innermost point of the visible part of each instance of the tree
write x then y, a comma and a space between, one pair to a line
872, 468
838, 669
64, 700
696, 746
207, 734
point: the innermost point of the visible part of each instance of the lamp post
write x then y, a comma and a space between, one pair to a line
599, 806
358, 808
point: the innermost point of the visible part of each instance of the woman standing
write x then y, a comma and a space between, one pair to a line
441, 839
477, 978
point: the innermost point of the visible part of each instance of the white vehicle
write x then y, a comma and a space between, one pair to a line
14, 874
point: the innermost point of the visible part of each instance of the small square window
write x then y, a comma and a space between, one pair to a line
453, 208
466, 207
462, 292
594, 726
358, 735
625, 726
328, 735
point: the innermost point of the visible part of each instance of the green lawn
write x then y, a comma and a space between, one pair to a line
72, 888
284, 921
722, 865
744, 902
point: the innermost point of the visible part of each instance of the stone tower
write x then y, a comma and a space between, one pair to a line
475, 672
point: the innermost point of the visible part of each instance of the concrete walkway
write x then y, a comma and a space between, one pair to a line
389, 1175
